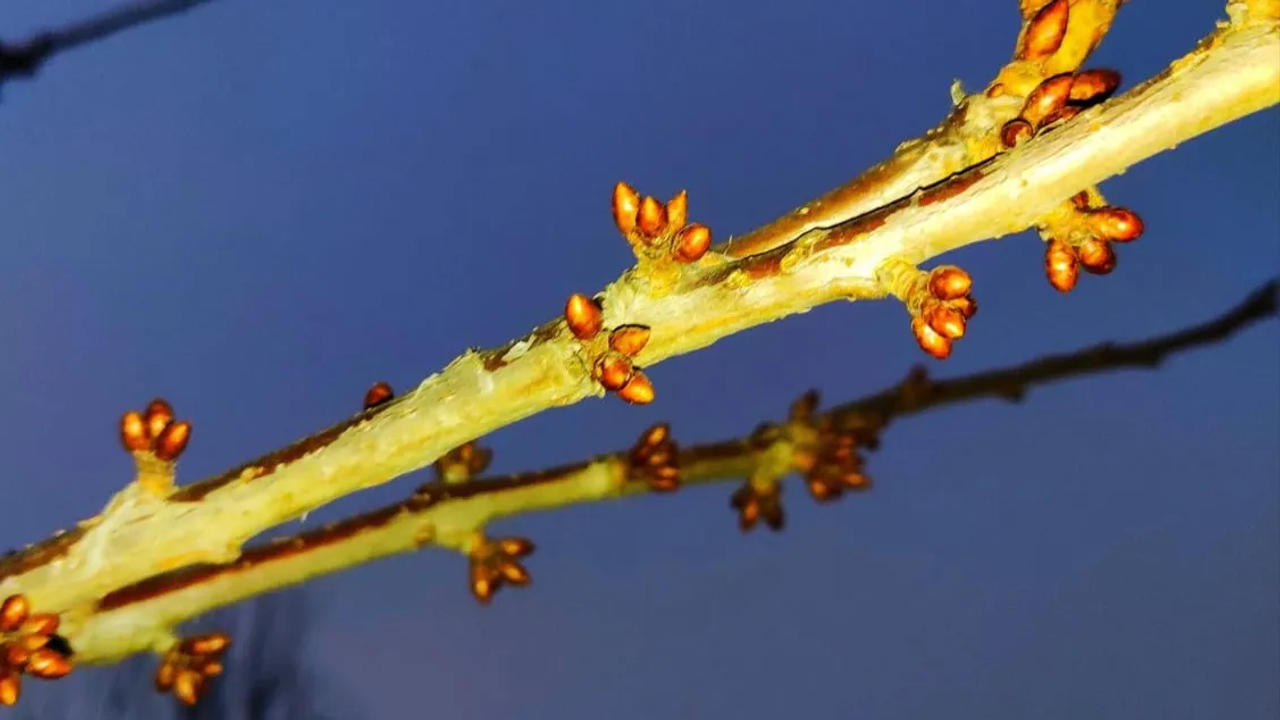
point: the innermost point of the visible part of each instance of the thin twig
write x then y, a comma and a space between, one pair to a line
25, 58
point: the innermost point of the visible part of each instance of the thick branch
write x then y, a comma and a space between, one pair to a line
140, 534
142, 616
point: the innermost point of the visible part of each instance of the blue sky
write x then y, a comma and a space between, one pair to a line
257, 209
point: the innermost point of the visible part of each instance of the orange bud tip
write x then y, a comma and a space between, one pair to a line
678, 209
613, 372
133, 432
13, 612
1115, 223
379, 393
947, 322
652, 218
188, 686
1045, 31
158, 414
516, 546
173, 440
692, 242
966, 305
583, 315
48, 664
626, 203
41, 623
1097, 256
1015, 131
1096, 85
10, 688
211, 644
629, 339
949, 282
656, 435
165, 675
930, 340
1045, 103
1061, 265
638, 390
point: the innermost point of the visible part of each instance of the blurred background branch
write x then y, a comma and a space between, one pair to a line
24, 58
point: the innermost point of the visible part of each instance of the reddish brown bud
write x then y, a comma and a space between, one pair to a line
1046, 102
1045, 31
483, 584
966, 305
638, 390
48, 664
165, 676
949, 282
692, 242
930, 340
1115, 223
33, 641
46, 623
946, 321
1096, 85
1015, 131
13, 612
613, 371
187, 686
210, 644
10, 688
1061, 265
378, 393
133, 432
1097, 256
159, 413
514, 573
583, 315
1081, 200
173, 440
629, 339
516, 546
626, 203
804, 407
678, 209
16, 655
652, 218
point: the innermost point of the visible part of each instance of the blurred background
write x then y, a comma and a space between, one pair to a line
257, 209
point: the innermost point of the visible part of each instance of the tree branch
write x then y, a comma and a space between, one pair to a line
149, 527
453, 515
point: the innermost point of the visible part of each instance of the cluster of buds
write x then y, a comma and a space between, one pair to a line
1059, 97
612, 365
31, 645
938, 301
155, 440
495, 563
759, 498
462, 463
1080, 235
379, 393
656, 230
828, 457
655, 459
187, 666
154, 431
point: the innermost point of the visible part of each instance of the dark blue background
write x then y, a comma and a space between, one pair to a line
259, 208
